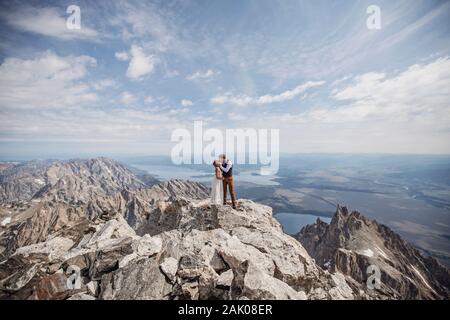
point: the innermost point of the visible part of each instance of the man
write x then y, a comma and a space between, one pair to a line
227, 173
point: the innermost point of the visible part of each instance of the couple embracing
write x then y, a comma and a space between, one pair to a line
223, 180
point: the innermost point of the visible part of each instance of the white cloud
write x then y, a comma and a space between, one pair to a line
186, 103
171, 73
99, 130
48, 22
229, 98
404, 112
127, 98
104, 83
141, 63
420, 92
199, 75
147, 23
244, 100
149, 100
343, 45
47, 81
122, 56
289, 94
236, 116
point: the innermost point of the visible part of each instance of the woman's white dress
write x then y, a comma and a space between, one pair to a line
216, 191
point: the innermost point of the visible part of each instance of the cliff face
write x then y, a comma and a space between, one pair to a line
351, 243
123, 240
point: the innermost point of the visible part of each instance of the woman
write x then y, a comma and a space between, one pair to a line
216, 186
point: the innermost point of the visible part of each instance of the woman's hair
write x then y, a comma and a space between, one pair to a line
216, 163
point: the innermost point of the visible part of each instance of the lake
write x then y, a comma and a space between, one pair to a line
167, 172
293, 222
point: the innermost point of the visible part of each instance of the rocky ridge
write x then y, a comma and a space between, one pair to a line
198, 251
78, 180
114, 238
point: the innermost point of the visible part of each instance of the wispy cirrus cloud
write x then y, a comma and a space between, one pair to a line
419, 92
395, 112
186, 103
244, 100
202, 75
122, 56
104, 84
145, 22
127, 98
48, 21
170, 50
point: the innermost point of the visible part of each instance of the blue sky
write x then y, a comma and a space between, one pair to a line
137, 70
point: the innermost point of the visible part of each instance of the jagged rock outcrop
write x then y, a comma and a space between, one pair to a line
351, 243
206, 252
50, 216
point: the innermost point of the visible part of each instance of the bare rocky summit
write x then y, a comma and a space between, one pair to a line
196, 251
95, 231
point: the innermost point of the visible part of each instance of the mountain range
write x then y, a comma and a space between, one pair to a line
97, 229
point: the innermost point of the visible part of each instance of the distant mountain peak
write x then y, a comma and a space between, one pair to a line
68, 180
351, 243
